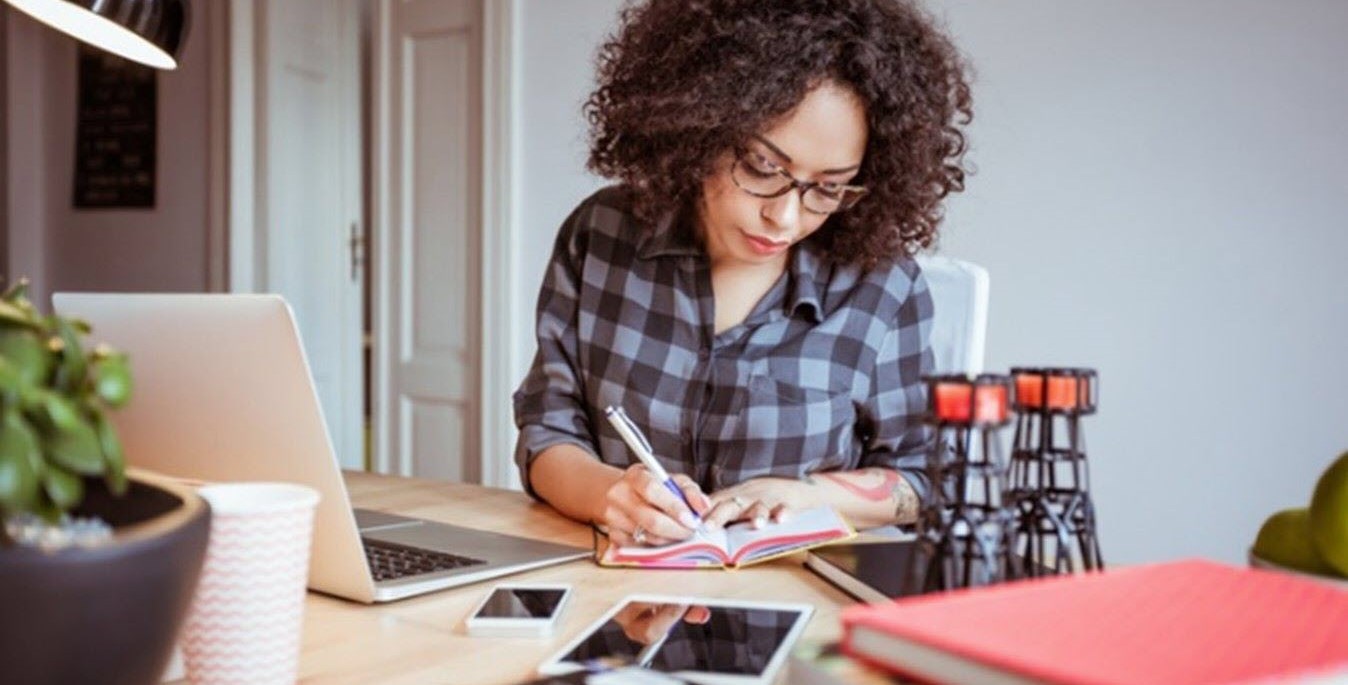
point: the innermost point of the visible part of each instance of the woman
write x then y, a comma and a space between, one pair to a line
746, 292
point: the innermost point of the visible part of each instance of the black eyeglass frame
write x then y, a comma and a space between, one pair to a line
851, 194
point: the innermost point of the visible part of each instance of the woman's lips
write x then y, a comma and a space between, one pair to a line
763, 246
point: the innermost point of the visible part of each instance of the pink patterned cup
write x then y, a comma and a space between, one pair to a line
246, 618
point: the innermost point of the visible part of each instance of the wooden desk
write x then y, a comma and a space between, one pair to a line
422, 640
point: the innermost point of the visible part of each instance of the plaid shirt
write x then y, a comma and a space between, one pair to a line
823, 374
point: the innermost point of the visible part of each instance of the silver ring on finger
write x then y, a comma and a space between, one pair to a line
639, 535
740, 502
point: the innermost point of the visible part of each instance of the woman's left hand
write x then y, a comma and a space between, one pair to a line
758, 500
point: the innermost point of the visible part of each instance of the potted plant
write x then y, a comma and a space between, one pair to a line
97, 565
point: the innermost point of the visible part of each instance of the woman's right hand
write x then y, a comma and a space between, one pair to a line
645, 622
640, 510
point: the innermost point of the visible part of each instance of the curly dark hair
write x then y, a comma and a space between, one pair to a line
684, 81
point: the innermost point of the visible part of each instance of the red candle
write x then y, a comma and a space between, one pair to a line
1062, 392
1030, 389
989, 403
952, 400
1086, 397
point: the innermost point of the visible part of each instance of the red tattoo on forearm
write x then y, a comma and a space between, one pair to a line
880, 492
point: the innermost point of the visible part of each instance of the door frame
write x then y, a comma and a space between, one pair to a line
6, 274
500, 238
233, 76
218, 153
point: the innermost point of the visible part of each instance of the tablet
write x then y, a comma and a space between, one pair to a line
696, 639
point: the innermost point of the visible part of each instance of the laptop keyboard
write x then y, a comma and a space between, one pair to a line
389, 561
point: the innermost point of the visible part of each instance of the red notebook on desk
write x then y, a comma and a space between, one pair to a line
1181, 623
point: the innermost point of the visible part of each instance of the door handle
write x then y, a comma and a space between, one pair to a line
356, 246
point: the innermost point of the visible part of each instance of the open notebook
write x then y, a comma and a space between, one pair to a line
738, 544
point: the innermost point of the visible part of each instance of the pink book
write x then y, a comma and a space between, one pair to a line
1190, 622
739, 544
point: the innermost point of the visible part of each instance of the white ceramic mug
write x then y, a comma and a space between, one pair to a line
248, 612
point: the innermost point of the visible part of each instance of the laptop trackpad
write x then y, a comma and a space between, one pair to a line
369, 519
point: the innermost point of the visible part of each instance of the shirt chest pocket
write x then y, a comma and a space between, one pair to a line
790, 430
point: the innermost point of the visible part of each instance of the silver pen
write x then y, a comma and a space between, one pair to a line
641, 447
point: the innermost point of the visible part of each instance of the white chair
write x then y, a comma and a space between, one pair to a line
959, 293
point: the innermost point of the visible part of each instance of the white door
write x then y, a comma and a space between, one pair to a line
309, 204
428, 94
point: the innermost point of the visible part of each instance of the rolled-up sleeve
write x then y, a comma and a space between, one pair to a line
897, 436
549, 404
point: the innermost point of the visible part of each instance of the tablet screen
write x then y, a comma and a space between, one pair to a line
691, 636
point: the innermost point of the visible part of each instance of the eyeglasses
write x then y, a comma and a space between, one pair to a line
759, 176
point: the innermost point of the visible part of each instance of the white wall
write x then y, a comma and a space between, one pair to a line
1162, 194
25, 158
557, 44
164, 249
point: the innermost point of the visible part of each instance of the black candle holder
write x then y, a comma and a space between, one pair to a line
1049, 478
965, 528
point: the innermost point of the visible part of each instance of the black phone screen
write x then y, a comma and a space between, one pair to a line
522, 603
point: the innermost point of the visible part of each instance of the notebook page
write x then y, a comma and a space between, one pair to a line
800, 528
686, 549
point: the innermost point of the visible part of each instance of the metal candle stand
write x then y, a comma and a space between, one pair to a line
965, 529
1050, 486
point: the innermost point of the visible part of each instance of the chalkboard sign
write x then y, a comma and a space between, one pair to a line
115, 132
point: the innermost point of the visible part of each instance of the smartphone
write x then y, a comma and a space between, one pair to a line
517, 610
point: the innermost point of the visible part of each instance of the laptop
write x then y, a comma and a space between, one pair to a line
222, 392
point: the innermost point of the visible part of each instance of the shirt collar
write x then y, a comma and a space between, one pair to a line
809, 278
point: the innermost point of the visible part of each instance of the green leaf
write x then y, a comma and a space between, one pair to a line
77, 449
72, 442
74, 363
9, 379
116, 481
16, 291
65, 489
18, 484
115, 475
63, 413
12, 313
45, 509
114, 380
26, 352
20, 463
33, 400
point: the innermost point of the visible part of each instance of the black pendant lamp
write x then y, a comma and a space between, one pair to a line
151, 32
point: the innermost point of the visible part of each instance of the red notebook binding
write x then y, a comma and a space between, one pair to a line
1190, 622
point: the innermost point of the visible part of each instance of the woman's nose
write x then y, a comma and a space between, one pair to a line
784, 212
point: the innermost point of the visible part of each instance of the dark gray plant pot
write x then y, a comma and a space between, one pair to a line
109, 615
